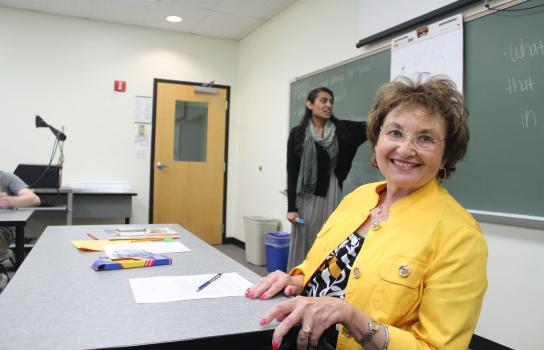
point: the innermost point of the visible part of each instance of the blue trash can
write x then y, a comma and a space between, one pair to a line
277, 250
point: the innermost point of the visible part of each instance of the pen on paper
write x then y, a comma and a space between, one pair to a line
207, 283
92, 236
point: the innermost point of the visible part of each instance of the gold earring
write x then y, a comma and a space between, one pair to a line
442, 176
373, 161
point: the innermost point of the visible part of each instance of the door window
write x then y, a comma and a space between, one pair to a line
190, 131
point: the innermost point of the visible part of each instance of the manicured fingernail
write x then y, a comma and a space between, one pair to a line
275, 345
263, 321
262, 296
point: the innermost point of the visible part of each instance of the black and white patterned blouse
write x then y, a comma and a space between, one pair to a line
331, 278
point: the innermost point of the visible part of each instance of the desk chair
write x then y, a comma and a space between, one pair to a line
5, 254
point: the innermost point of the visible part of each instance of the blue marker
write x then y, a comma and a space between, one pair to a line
300, 221
208, 282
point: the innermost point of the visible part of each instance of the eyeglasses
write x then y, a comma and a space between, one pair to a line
421, 141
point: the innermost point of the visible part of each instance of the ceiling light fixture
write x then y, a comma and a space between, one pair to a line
174, 19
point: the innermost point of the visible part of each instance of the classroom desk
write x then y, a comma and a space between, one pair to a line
56, 301
87, 204
16, 218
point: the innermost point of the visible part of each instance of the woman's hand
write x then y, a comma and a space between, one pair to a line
292, 216
274, 283
314, 315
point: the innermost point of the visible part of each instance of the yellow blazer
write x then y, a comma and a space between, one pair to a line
422, 273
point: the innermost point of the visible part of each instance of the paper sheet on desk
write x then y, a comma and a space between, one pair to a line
159, 247
176, 288
92, 244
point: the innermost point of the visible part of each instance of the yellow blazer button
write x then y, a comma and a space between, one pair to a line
356, 273
404, 271
375, 226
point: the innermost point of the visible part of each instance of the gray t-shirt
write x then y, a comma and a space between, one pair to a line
11, 184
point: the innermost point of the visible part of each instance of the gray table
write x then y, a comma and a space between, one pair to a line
87, 204
16, 218
56, 301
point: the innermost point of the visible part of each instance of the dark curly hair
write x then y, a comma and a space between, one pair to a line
439, 97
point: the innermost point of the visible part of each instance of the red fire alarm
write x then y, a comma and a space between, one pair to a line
120, 85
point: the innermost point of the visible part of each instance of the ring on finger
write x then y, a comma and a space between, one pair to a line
307, 330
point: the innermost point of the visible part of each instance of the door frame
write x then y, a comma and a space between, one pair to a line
156, 82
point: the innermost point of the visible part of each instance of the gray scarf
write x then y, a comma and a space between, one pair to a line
307, 176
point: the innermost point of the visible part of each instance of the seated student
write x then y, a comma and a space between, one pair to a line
399, 264
14, 193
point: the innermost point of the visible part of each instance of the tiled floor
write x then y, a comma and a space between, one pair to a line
238, 254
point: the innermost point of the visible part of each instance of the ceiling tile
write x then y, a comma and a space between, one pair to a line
225, 25
199, 4
232, 19
191, 17
258, 9
275, 7
74, 8
122, 11
22, 4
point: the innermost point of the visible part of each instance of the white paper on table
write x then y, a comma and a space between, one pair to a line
439, 51
175, 288
158, 247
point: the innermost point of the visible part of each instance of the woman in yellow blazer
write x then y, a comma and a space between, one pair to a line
399, 264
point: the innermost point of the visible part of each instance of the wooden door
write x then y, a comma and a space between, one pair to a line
189, 160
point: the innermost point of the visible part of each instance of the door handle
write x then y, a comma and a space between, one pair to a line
161, 165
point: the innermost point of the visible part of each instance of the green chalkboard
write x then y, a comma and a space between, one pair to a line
503, 171
354, 85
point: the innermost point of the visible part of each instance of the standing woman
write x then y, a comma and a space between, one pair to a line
320, 151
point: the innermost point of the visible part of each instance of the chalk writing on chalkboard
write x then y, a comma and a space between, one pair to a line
528, 118
525, 49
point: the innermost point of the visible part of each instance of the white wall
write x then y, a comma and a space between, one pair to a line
312, 34
307, 36
63, 69
516, 286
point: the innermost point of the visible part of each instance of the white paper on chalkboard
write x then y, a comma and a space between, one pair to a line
430, 50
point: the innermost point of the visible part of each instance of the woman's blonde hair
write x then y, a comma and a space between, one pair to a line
437, 96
